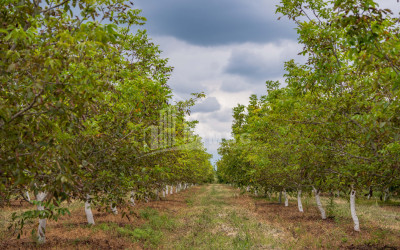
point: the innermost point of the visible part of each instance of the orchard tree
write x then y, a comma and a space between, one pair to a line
335, 125
79, 94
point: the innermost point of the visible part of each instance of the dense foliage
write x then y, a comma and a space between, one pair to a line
85, 109
335, 125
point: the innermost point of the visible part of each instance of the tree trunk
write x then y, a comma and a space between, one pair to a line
88, 210
280, 197
386, 196
370, 193
353, 210
114, 209
299, 204
41, 196
286, 198
28, 197
319, 204
132, 199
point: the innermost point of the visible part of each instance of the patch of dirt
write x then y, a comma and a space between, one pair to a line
16, 204
72, 231
226, 230
371, 246
309, 227
392, 208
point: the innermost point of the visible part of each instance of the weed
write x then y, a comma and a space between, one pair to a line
331, 208
147, 213
105, 226
150, 233
148, 236
189, 202
242, 242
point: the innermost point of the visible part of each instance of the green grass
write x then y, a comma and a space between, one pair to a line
189, 202
379, 222
149, 234
215, 223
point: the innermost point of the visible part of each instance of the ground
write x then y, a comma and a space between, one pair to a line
218, 216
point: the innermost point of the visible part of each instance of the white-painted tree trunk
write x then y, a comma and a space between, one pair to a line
88, 210
319, 204
386, 195
353, 210
286, 198
299, 204
28, 197
146, 198
171, 190
157, 195
132, 198
114, 209
41, 196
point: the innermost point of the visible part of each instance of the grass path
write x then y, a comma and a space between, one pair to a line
217, 219
216, 216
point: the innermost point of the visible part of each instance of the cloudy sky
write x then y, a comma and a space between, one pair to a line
225, 48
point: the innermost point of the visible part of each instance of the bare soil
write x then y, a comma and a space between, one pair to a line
217, 216
72, 231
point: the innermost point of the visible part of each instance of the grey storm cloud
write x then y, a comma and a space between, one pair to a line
216, 22
222, 115
233, 86
254, 66
256, 86
210, 104
185, 87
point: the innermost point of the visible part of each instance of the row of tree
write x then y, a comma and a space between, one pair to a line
336, 124
85, 109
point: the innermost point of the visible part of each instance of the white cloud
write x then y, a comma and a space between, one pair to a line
200, 68
230, 73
